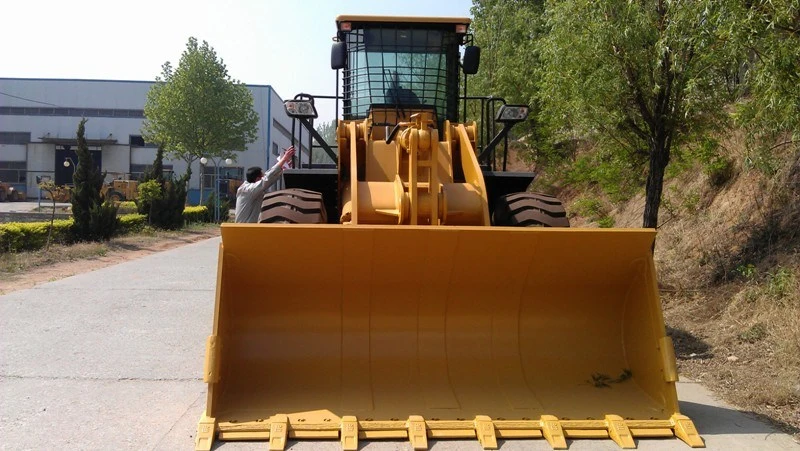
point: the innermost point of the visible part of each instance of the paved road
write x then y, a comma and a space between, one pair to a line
19, 207
111, 360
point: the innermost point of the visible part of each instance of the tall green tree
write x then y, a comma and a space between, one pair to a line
166, 209
638, 77
148, 191
196, 110
769, 32
327, 130
94, 218
509, 34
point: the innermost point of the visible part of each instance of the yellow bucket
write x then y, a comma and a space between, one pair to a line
361, 332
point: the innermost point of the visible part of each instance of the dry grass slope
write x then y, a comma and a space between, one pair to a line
728, 256
729, 269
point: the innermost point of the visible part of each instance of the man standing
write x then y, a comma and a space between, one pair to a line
250, 195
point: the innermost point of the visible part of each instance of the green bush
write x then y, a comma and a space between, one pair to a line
30, 236
720, 171
94, 217
606, 222
27, 236
780, 283
195, 214
224, 209
754, 334
166, 211
127, 207
148, 191
103, 220
617, 177
763, 160
589, 208
131, 223
718, 167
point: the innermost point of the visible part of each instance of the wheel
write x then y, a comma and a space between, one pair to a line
529, 210
293, 206
114, 196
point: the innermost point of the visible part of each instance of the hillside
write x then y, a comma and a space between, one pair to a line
728, 263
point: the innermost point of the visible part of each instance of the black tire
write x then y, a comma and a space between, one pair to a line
529, 210
293, 206
115, 196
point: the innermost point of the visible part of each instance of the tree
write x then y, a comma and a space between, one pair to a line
197, 110
327, 130
508, 33
769, 31
49, 187
639, 77
166, 210
156, 171
151, 183
162, 200
95, 219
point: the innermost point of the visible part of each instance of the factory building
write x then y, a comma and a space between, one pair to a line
39, 119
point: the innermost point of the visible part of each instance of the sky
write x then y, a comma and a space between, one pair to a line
282, 43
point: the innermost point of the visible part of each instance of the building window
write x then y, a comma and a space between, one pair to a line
138, 141
13, 171
138, 170
225, 173
15, 137
77, 112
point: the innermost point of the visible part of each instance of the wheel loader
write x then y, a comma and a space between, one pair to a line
119, 190
412, 291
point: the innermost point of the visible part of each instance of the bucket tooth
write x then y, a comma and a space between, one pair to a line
417, 433
349, 433
553, 433
204, 439
619, 432
685, 430
484, 430
278, 431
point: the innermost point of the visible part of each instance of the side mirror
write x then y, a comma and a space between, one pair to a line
339, 55
472, 59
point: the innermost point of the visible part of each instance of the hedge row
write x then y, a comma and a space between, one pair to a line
28, 236
196, 214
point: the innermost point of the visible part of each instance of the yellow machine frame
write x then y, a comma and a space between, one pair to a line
417, 319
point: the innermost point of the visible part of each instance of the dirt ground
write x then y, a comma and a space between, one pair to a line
36, 268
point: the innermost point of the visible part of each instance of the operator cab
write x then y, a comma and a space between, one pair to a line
394, 67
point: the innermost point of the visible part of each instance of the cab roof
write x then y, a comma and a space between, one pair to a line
402, 19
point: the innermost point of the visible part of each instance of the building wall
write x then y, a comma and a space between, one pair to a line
77, 93
142, 155
116, 161
12, 152
277, 134
52, 109
41, 162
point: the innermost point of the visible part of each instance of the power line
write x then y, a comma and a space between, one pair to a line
29, 100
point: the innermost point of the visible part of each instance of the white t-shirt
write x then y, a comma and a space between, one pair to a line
249, 196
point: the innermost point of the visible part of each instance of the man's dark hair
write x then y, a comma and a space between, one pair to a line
253, 173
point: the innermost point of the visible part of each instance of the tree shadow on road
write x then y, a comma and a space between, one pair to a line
688, 346
715, 420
